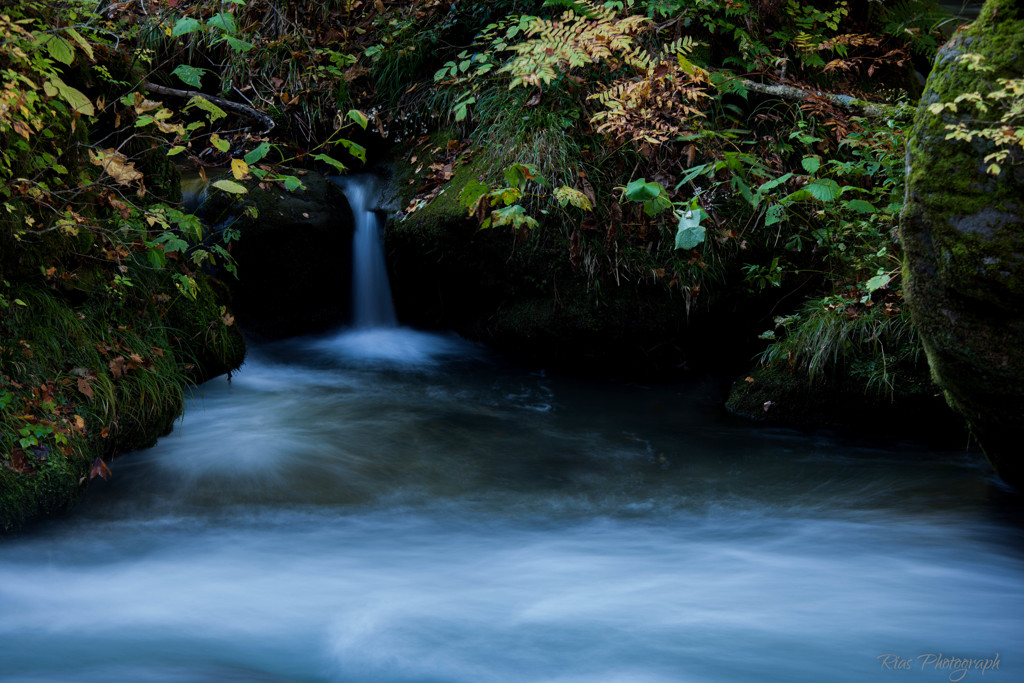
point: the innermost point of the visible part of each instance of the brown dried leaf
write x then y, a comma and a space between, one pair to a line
99, 469
84, 387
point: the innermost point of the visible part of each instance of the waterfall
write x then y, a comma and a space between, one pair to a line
371, 292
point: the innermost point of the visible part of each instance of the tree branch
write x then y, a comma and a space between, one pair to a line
241, 109
898, 112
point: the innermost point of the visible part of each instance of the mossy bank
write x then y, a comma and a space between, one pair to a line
87, 373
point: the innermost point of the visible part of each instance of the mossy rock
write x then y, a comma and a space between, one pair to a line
294, 255
963, 236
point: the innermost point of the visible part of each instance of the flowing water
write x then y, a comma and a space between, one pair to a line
387, 505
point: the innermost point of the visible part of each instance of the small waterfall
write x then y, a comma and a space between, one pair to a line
371, 292
375, 337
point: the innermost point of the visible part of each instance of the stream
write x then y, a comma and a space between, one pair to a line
383, 504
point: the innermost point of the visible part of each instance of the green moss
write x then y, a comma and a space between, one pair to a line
95, 378
963, 235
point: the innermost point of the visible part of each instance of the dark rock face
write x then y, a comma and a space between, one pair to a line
294, 256
963, 236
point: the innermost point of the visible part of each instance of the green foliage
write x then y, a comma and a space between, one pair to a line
996, 117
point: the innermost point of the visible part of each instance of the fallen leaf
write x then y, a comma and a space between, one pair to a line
749, 379
99, 469
84, 387
117, 367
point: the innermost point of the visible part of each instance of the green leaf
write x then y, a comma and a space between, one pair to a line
518, 174
225, 22
860, 205
74, 97
640, 190
238, 44
337, 165
356, 150
206, 105
190, 75
471, 194
877, 282
291, 183
689, 232
82, 43
776, 214
359, 117
824, 189
811, 164
230, 186
772, 184
220, 143
59, 49
257, 154
567, 195
184, 26
693, 173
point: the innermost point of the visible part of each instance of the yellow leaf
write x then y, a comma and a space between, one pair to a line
239, 169
117, 165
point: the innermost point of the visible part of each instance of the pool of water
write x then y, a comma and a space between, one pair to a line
388, 505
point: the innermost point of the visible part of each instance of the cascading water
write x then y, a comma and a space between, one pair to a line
375, 337
371, 292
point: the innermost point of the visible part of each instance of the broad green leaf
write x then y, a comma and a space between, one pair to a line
184, 26
471, 194
206, 105
257, 154
860, 205
689, 232
74, 97
772, 184
567, 195
356, 150
337, 165
220, 143
82, 43
776, 214
640, 190
230, 186
190, 75
238, 44
359, 117
291, 183
877, 282
824, 189
177, 149
811, 164
225, 22
60, 49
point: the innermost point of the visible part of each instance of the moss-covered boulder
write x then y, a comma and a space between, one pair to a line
963, 236
294, 254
